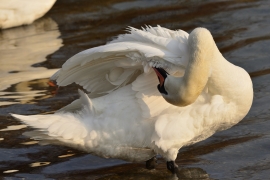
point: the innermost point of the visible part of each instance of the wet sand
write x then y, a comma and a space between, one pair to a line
30, 54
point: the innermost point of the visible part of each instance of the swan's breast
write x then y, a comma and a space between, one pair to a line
233, 84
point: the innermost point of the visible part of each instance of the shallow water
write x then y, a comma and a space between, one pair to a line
30, 54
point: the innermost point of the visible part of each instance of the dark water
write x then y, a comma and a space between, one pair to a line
242, 32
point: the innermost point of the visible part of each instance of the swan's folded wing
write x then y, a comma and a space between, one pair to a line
103, 69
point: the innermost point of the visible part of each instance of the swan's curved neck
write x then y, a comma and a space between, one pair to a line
185, 90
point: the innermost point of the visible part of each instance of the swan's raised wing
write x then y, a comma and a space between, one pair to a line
103, 69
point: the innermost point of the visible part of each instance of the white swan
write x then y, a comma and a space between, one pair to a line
127, 116
20, 12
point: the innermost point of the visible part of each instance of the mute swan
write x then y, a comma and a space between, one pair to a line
127, 116
19, 12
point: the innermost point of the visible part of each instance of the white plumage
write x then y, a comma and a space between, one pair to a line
125, 116
21, 12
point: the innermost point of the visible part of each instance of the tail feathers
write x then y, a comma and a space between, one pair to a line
62, 126
65, 128
34, 121
38, 135
45, 139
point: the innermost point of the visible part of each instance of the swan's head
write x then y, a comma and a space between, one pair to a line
169, 87
183, 91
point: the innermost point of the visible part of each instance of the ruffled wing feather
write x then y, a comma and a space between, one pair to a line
103, 69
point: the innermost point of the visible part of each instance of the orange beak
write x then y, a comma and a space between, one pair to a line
160, 77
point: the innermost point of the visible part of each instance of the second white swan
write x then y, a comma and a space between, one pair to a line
22, 12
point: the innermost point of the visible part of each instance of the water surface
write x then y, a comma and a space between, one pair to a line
31, 54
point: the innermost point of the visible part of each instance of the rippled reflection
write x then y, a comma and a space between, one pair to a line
143, 174
66, 155
37, 164
11, 171
21, 48
14, 127
30, 143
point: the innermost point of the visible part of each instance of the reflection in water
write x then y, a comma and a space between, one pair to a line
10, 171
66, 155
144, 174
23, 92
37, 164
21, 48
29, 143
192, 173
13, 127
20, 97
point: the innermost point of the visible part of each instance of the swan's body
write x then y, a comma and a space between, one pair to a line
21, 12
127, 117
